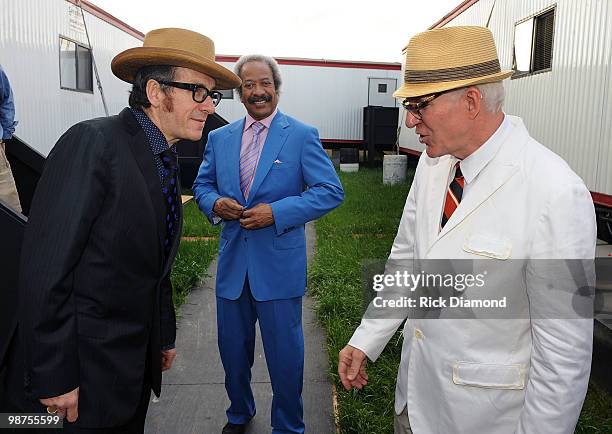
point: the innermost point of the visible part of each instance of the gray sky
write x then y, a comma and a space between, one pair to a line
321, 29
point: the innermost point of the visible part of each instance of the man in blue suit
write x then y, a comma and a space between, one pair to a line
264, 177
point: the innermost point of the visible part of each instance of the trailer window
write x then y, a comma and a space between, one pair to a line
227, 94
533, 44
75, 66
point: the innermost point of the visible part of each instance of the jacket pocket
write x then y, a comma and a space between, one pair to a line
488, 246
284, 242
285, 165
489, 375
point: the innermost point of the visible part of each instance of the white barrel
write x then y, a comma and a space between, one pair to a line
349, 167
394, 169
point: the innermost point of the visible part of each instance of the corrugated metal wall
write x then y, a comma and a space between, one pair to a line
29, 53
329, 98
568, 109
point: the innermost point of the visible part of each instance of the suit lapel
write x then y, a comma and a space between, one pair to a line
502, 167
233, 144
142, 154
497, 175
279, 130
436, 194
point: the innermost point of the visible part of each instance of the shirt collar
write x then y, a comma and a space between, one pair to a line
265, 121
155, 137
473, 164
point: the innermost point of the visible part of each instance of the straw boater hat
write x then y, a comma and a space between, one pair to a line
175, 47
450, 58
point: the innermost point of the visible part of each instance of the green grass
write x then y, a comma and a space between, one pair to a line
362, 229
194, 256
596, 416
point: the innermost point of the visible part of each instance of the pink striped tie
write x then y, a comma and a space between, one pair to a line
248, 159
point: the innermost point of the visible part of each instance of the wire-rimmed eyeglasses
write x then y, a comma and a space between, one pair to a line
199, 93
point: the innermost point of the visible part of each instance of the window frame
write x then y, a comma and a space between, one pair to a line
76, 64
534, 17
227, 94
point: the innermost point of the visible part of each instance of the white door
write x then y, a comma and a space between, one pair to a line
381, 91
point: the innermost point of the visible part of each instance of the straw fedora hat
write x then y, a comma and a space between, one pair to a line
175, 47
450, 58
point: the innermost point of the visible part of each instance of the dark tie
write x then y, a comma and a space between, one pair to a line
453, 195
171, 196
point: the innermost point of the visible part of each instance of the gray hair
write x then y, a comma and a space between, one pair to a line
276, 75
493, 95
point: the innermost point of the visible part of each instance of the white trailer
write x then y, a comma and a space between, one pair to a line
561, 51
47, 55
328, 94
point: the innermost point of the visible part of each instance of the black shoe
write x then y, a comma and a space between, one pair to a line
234, 428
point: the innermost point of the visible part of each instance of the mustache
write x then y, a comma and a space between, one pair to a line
254, 99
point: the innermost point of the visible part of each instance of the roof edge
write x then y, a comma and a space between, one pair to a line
105, 16
462, 7
392, 66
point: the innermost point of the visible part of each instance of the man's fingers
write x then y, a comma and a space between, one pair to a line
346, 359
342, 368
72, 413
357, 364
233, 205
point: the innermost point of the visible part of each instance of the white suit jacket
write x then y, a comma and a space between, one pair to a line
494, 376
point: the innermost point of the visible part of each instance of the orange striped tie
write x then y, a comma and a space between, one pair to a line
453, 194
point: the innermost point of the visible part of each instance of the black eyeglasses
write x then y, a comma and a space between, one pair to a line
198, 92
414, 108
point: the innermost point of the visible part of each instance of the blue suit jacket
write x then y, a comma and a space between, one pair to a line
296, 177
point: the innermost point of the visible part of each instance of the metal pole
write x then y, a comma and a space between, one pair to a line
93, 61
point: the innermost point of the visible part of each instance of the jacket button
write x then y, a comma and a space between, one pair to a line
418, 334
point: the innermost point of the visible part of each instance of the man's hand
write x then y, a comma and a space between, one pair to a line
167, 358
227, 208
257, 217
351, 367
66, 404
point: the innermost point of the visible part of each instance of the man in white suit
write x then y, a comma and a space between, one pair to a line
484, 189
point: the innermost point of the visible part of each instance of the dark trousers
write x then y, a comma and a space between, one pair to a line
13, 399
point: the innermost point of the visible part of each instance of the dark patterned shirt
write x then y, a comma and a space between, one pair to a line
156, 140
158, 144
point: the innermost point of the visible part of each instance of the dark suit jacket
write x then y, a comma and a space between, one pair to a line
95, 293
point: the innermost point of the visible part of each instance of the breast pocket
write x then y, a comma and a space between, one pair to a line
488, 246
286, 165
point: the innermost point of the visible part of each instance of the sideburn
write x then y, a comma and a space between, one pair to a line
168, 103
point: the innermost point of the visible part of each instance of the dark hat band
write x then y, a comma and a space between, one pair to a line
453, 74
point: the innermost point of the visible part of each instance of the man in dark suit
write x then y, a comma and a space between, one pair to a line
97, 314
264, 176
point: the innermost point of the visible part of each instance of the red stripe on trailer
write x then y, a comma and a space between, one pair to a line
324, 63
105, 16
343, 141
410, 151
602, 199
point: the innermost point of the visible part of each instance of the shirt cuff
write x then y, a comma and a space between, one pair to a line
168, 347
